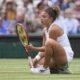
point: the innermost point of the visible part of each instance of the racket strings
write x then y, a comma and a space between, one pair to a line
22, 35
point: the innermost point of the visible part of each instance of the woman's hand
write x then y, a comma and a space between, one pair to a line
29, 47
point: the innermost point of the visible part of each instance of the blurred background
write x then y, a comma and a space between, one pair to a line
27, 12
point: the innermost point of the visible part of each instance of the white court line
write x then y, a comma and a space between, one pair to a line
28, 66
41, 77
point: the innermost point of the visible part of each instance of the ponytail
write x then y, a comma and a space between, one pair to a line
57, 10
53, 12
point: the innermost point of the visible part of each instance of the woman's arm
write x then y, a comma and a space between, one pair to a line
40, 49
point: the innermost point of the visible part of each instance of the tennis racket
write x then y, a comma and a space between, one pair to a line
24, 38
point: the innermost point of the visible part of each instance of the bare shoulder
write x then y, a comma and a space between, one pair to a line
55, 27
55, 31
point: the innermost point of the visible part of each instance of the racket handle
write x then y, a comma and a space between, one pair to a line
30, 61
29, 58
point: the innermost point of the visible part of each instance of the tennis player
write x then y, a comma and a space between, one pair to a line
56, 52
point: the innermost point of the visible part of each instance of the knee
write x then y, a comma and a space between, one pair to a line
50, 43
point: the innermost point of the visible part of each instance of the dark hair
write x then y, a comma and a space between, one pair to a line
53, 12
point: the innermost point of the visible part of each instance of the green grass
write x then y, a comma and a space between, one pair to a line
18, 69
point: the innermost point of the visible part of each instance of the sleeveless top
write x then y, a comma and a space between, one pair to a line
62, 40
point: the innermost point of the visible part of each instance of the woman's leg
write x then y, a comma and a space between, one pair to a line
40, 61
55, 51
54, 58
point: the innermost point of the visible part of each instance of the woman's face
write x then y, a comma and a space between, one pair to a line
45, 18
9, 5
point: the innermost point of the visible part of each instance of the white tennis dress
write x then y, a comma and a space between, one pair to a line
63, 41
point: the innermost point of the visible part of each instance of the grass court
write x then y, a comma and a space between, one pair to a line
18, 69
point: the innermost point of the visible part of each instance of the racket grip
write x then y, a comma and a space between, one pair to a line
30, 61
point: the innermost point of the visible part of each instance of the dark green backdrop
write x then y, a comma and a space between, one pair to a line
10, 46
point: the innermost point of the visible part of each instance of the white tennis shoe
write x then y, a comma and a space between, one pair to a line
40, 70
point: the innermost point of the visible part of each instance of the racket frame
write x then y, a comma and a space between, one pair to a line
26, 35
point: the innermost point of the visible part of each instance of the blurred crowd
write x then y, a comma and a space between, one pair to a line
27, 12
